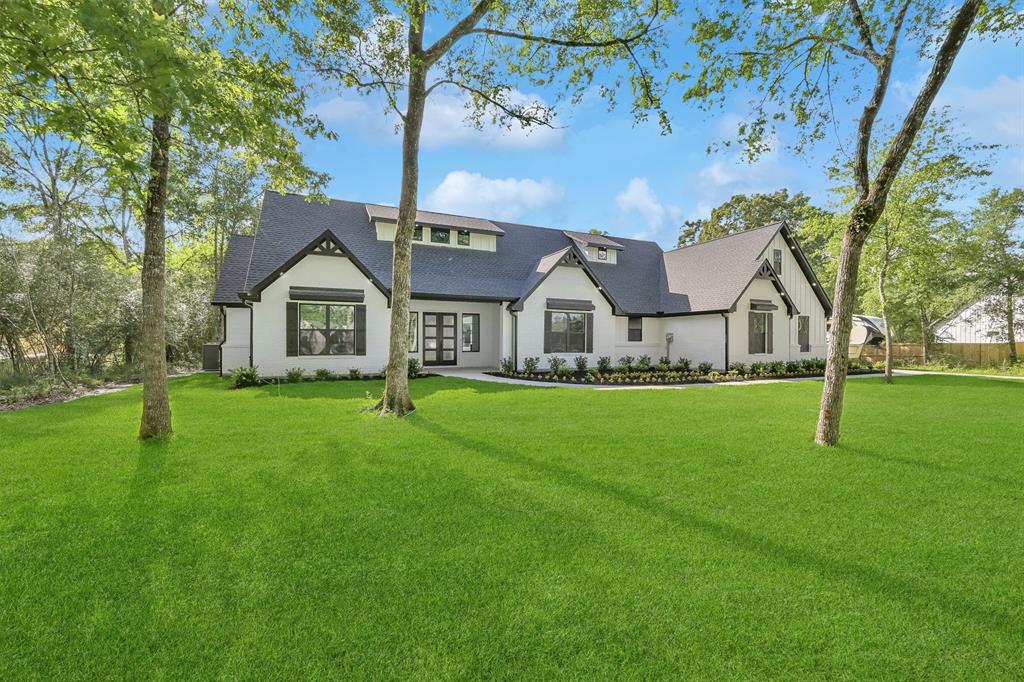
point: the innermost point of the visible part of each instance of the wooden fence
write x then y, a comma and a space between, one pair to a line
978, 354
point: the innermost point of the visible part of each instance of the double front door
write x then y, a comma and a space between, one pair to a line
439, 338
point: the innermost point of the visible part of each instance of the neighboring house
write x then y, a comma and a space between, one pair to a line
311, 290
983, 321
867, 331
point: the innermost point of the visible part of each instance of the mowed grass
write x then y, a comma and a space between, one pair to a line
510, 532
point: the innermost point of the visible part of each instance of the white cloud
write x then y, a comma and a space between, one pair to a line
466, 193
717, 174
444, 122
991, 114
639, 198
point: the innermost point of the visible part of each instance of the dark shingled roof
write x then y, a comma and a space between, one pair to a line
707, 277
233, 270
713, 274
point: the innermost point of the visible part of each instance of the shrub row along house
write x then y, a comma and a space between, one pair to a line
311, 289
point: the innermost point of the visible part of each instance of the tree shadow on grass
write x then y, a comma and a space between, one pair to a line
954, 472
358, 389
879, 582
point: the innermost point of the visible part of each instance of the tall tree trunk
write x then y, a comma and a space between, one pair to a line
1011, 326
838, 354
882, 274
925, 337
156, 408
396, 399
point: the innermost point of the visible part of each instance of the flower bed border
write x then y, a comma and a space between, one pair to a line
575, 378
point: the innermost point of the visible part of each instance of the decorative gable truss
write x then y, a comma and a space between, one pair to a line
766, 271
327, 247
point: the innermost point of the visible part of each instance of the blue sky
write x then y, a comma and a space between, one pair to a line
599, 170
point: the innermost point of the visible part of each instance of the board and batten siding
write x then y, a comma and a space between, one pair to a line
805, 300
739, 326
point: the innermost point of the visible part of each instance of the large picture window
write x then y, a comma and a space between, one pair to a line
470, 332
327, 329
760, 333
566, 332
803, 333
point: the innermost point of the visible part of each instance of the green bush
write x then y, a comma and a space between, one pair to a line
323, 374
794, 366
530, 364
625, 363
643, 363
705, 367
738, 367
581, 363
758, 367
555, 364
414, 367
508, 366
243, 377
294, 375
777, 367
355, 373
604, 364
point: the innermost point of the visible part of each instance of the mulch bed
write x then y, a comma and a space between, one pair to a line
657, 380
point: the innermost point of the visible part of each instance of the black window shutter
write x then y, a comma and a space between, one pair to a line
590, 332
752, 333
476, 333
291, 345
360, 330
547, 331
771, 334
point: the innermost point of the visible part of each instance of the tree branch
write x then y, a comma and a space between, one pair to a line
463, 27
864, 30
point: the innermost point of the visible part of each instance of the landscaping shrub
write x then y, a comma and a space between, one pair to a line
243, 377
682, 365
625, 363
776, 367
794, 367
604, 364
294, 375
738, 367
555, 363
643, 363
705, 367
508, 365
530, 364
355, 373
414, 366
758, 367
323, 374
581, 363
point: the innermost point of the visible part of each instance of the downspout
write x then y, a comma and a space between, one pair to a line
515, 339
248, 304
725, 316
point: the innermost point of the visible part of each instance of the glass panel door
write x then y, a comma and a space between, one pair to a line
439, 339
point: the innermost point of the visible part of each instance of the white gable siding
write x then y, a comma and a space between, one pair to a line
974, 325
269, 318
564, 282
739, 326
593, 254
805, 300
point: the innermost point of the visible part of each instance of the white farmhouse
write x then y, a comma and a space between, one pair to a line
311, 289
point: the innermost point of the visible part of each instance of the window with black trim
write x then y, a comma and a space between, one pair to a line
760, 333
635, 327
470, 332
777, 261
327, 329
803, 332
463, 238
567, 332
414, 332
602, 253
417, 233
440, 235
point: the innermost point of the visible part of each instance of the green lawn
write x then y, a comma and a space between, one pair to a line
508, 532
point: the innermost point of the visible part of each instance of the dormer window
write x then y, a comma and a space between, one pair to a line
602, 253
463, 239
440, 235
417, 233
